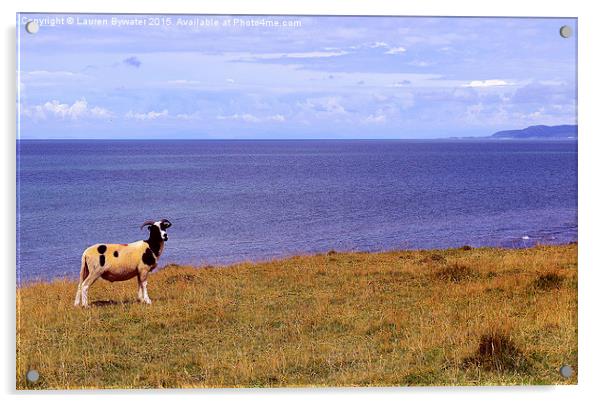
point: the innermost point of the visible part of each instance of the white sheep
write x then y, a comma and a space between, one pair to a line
120, 262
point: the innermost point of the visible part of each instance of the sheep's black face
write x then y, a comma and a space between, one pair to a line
164, 224
157, 230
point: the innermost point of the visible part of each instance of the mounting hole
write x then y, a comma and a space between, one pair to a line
32, 27
32, 376
566, 31
566, 371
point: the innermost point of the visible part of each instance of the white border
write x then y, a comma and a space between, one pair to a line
590, 203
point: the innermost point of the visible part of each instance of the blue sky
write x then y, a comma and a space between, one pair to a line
324, 77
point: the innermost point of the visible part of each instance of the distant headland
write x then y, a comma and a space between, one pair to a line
560, 132
539, 132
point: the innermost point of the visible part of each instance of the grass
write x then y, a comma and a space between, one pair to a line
456, 272
467, 316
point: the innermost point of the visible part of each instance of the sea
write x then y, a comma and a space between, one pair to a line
235, 200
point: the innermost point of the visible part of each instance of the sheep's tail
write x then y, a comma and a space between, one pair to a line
84, 271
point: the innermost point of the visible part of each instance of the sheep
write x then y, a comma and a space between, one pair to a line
120, 262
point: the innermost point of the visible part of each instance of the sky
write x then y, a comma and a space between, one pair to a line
283, 77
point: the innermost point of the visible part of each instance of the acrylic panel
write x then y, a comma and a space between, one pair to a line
277, 201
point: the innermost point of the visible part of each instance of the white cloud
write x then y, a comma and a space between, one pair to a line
79, 109
376, 118
395, 51
245, 117
188, 116
537, 114
486, 83
230, 80
295, 55
379, 45
183, 82
152, 115
326, 105
47, 74
250, 118
277, 118
318, 54
390, 50
100, 112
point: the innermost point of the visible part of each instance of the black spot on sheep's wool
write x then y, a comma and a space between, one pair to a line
148, 258
116, 254
102, 260
102, 249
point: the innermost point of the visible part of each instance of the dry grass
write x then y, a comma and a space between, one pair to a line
549, 281
497, 352
456, 273
446, 317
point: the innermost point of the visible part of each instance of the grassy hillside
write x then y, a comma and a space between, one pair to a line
447, 317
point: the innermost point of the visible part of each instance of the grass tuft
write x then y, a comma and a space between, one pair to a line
548, 281
433, 258
436, 257
497, 352
456, 273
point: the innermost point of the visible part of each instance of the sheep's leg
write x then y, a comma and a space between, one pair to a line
142, 279
94, 275
140, 290
146, 298
78, 294
83, 274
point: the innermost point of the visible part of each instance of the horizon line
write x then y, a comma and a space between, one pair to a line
301, 139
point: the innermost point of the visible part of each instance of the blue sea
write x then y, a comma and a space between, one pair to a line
232, 201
